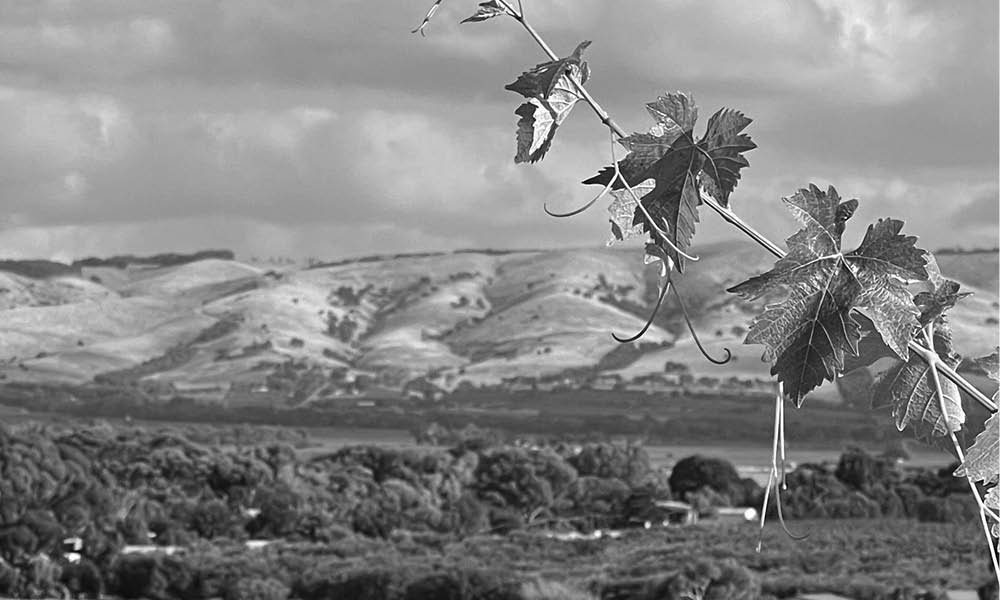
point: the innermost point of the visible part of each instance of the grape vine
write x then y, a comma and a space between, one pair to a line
839, 310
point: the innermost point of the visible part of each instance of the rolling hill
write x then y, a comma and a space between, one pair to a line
211, 326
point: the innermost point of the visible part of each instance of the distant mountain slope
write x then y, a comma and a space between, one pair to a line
477, 317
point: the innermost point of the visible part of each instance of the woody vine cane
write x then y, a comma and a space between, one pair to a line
841, 310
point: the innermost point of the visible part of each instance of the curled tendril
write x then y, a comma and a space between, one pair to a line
649, 322
572, 213
694, 334
607, 188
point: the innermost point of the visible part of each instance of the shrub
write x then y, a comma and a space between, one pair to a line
358, 584
258, 588
440, 586
696, 472
541, 589
989, 590
861, 470
82, 579
726, 580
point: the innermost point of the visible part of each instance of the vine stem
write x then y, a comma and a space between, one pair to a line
733, 219
518, 15
929, 338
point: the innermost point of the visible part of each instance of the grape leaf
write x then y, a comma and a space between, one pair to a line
674, 114
622, 210
487, 10
991, 365
540, 81
908, 387
938, 296
670, 156
982, 459
540, 117
725, 145
982, 463
910, 390
673, 202
809, 335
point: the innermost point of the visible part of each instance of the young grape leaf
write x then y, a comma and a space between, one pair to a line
992, 498
622, 210
982, 459
809, 335
540, 81
427, 18
670, 156
991, 365
936, 303
540, 117
487, 10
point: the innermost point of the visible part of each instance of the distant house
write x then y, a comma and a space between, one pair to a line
149, 549
521, 384
649, 513
188, 389
727, 514
72, 544
676, 513
422, 389
606, 382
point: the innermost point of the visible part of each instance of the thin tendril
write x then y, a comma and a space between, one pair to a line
571, 213
694, 334
781, 445
649, 322
577, 211
772, 478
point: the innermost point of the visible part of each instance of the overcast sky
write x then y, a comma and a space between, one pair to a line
324, 128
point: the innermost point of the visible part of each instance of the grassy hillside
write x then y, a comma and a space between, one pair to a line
447, 318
